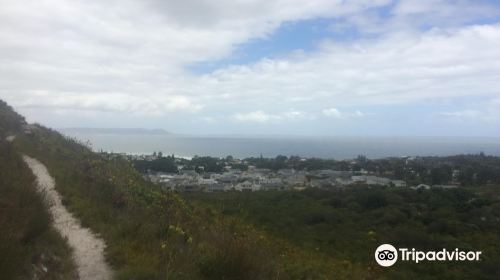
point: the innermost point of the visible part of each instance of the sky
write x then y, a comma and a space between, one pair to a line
261, 67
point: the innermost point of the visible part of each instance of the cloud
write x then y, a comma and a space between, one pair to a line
395, 69
138, 49
107, 102
449, 10
487, 112
335, 113
133, 57
358, 114
257, 116
416, 15
262, 117
464, 114
332, 112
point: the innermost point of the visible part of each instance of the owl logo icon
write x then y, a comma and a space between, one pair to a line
386, 255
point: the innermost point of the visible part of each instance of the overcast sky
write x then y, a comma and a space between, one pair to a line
316, 67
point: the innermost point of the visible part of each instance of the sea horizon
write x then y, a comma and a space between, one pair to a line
244, 146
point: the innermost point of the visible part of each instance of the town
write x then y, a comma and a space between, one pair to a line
256, 179
209, 174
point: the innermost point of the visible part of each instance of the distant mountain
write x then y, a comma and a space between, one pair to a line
123, 131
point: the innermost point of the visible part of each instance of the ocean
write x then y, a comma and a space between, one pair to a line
320, 147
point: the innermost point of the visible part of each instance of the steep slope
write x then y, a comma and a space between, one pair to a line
30, 247
153, 234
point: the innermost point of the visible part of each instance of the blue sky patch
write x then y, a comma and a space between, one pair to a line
302, 35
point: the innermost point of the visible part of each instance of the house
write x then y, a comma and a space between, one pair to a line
215, 176
272, 184
262, 170
374, 180
229, 177
247, 186
251, 176
324, 174
296, 180
321, 183
358, 179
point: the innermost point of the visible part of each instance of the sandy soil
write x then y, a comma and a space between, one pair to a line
88, 249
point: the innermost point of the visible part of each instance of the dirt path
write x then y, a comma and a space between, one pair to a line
88, 250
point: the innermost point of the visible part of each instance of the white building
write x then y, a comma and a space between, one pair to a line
247, 186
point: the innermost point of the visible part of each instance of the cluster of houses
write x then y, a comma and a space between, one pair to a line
256, 179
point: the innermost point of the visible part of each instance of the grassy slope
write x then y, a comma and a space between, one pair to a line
28, 243
154, 235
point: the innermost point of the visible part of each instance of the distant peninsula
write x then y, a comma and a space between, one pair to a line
120, 131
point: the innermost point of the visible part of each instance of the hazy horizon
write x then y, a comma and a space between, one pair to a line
136, 130
244, 146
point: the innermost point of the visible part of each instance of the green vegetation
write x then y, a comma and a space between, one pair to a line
470, 170
170, 164
314, 234
350, 224
29, 247
152, 234
10, 121
164, 164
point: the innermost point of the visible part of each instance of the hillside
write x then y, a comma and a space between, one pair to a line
155, 234
152, 234
30, 247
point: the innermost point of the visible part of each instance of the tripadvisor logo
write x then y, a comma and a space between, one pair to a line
387, 255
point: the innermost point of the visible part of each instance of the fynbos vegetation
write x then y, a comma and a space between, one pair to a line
29, 247
152, 233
